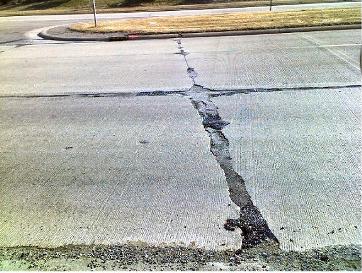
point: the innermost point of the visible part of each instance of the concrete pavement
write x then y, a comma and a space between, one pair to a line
110, 171
328, 58
92, 68
300, 153
113, 165
319, 59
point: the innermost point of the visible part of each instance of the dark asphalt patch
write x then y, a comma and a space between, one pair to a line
254, 228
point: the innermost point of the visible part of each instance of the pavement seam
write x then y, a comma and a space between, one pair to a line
212, 92
229, 92
254, 228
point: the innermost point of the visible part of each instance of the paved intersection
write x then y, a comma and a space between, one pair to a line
93, 152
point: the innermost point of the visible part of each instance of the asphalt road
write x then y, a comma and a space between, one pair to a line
104, 143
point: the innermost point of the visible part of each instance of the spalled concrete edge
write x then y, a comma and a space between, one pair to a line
123, 37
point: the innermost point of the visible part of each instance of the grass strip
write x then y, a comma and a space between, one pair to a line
226, 22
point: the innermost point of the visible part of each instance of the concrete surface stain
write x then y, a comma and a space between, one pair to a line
255, 230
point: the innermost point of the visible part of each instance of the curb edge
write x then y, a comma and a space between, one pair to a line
45, 35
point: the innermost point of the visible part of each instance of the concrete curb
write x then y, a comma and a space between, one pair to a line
124, 36
45, 35
270, 31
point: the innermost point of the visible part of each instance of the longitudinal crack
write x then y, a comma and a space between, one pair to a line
255, 230
190, 70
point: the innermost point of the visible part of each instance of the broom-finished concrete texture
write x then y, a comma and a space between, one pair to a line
300, 155
110, 171
50, 69
325, 58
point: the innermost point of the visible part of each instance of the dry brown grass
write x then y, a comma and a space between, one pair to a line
226, 22
105, 6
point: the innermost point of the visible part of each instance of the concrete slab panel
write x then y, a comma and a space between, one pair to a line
344, 45
92, 68
110, 171
300, 155
351, 36
266, 61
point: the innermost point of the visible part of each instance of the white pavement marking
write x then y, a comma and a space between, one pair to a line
110, 171
300, 155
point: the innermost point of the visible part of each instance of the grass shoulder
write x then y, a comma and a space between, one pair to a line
226, 22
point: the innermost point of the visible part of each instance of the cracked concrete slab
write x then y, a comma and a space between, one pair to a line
108, 171
92, 67
282, 60
254, 228
299, 153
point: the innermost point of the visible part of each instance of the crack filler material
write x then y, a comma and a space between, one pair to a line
254, 228
212, 92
